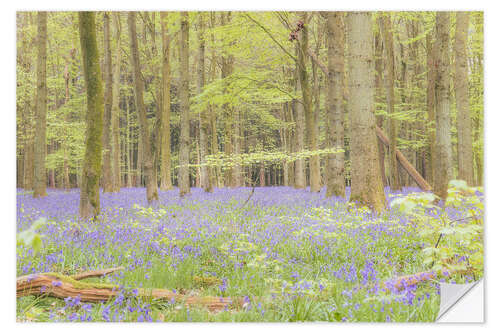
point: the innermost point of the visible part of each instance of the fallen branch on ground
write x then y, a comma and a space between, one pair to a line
62, 286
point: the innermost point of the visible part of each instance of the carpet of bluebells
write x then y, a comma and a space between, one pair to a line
290, 254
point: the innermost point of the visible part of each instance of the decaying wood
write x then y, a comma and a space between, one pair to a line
409, 280
99, 273
60, 286
405, 163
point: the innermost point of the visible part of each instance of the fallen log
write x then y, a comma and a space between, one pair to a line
414, 174
405, 281
62, 286
99, 273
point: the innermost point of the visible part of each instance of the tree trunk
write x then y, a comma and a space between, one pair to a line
40, 177
431, 105
300, 177
151, 186
184, 184
165, 166
206, 180
107, 180
443, 123
366, 183
379, 94
115, 109
464, 126
335, 178
389, 86
311, 128
91, 171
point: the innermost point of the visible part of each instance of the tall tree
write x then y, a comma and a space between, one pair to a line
165, 159
115, 109
107, 180
366, 183
91, 172
311, 128
386, 32
298, 110
39, 185
184, 185
226, 70
335, 179
151, 187
204, 126
431, 104
443, 172
464, 124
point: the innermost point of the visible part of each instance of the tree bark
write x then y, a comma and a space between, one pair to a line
379, 95
151, 187
40, 146
206, 180
366, 183
115, 109
311, 128
165, 166
389, 86
464, 125
335, 178
300, 177
431, 105
443, 123
107, 180
184, 184
91, 171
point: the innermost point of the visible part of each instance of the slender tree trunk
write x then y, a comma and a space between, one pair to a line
151, 186
204, 121
366, 183
389, 86
431, 106
40, 146
66, 182
237, 148
107, 180
443, 122
184, 184
464, 126
311, 128
91, 172
335, 178
299, 117
115, 109
165, 166
129, 145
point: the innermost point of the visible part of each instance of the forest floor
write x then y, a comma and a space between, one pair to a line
291, 255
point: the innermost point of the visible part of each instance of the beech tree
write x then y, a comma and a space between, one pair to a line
461, 84
386, 32
443, 168
335, 97
91, 171
39, 184
184, 185
151, 187
366, 183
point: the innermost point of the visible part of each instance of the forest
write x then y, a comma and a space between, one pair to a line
247, 166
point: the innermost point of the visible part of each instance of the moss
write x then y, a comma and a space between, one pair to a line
80, 284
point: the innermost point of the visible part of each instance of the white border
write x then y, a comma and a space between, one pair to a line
8, 167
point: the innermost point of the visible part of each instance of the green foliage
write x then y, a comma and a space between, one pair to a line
456, 246
30, 238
